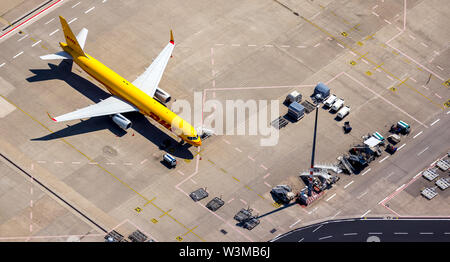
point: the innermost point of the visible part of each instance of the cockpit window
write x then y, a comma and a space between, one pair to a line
192, 138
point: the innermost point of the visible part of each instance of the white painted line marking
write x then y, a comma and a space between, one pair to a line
268, 45
386, 157
5, 63
263, 167
350, 234
423, 151
110, 163
382, 200
181, 173
425, 45
437, 120
442, 69
336, 214
104, 1
425, 87
368, 211
219, 44
143, 161
322, 238
426, 233
285, 46
418, 134
192, 180
237, 149
76, 163
301, 46
331, 197
400, 233
128, 164
420, 173
76, 4
340, 45
374, 7
412, 37
52, 33
93, 163
235, 45
349, 184
365, 61
73, 20
437, 95
267, 184
317, 45
401, 147
388, 76
18, 54
23, 37
268, 174
365, 172
414, 80
90, 9
353, 53
251, 158
251, 45
36, 43
58, 162
317, 228
375, 14
49, 21
226, 141
41, 162
296, 222
229, 201
301, 239
245, 203
375, 233
387, 21
400, 187
363, 194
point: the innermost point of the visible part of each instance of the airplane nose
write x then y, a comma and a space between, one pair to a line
199, 143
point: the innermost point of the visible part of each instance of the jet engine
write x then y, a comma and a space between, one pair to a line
162, 95
121, 121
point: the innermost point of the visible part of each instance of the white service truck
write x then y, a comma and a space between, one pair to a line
329, 102
343, 112
337, 104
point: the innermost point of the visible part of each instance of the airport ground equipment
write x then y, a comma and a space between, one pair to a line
215, 204
400, 128
294, 96
429, 193
309, 107
113, 236
338, 104
321, 92
443, 165
443, 183
330, 100
246, 219
347, 127
283, 193
430, 174
137, 236
346, 166
391, 149
199, 194
296, 111
378, 136
394, 139
170, 160
343, 112
279, 123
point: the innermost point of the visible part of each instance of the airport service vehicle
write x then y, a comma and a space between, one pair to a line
329, 102
199, 194
400, 128
343, 112
337, 104
347, 127
391, 149
294, 96
170, 160
142, 95
283, 193
215, 204
394, 138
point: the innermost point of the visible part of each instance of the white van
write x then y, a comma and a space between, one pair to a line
170, 160
337, 104
329, 102
343, 112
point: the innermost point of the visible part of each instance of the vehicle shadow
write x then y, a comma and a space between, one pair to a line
141, 124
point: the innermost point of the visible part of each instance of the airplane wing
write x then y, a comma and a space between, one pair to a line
149, 80
111, 105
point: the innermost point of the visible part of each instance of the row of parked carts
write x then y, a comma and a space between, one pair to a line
440, 169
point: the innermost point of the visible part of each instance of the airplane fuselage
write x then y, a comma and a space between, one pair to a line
122, 88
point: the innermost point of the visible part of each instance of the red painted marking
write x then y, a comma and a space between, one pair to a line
29, 19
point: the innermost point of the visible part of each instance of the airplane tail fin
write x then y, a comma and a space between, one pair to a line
71, 40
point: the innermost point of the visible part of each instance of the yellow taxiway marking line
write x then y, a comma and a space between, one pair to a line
165, 213
98, 165
148, 202
190, 231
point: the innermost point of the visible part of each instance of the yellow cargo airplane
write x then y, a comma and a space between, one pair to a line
141, 95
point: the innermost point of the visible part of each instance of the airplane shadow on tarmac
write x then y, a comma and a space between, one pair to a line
141, 124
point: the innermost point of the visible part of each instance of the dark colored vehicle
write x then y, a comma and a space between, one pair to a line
347, 127
391, 149
199, 194
243, 215
215, 204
